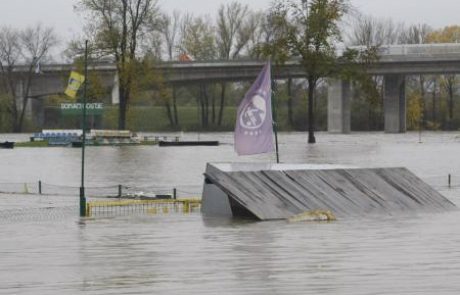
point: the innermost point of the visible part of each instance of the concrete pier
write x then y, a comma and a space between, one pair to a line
339, 104
394, 103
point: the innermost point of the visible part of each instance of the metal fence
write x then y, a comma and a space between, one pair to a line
443, 182
440, 182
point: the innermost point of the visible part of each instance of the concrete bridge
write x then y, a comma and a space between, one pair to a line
396, 62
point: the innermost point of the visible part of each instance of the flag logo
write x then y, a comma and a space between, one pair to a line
254, 114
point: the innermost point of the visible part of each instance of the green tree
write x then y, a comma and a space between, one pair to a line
311, 32
118, 29
449, 34
419, 34
5, 122
414, 110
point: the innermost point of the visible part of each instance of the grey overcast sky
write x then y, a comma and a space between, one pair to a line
60, 13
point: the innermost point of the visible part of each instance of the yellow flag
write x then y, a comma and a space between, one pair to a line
75, 82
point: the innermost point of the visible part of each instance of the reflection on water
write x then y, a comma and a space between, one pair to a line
46, 249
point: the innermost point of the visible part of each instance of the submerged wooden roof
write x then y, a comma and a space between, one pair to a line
281, 194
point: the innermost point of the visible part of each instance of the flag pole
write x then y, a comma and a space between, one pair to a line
275, 123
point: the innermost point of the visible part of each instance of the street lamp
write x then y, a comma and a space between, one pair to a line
82, 187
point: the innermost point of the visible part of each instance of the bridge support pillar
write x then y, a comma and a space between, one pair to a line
37, 112
116, 89
394, 103
339, 104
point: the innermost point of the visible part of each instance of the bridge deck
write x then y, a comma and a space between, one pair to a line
395, 59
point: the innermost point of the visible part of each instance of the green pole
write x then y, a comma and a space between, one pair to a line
82, 187
275, 128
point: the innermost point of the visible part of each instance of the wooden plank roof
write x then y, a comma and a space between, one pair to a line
280, 194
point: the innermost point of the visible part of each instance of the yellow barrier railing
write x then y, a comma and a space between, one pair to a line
147, 206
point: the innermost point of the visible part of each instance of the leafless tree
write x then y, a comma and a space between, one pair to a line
230, 20
170, 29
184, 24
232, 36
369, 31
415, 34
25, 48
251, 33
169, 26
199, 41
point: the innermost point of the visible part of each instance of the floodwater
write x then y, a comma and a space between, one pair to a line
45, 248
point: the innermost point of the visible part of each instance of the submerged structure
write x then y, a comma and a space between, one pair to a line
281, 191
69, 137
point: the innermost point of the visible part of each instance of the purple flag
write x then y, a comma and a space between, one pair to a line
254, 124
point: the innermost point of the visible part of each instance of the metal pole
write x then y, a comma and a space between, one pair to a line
275, 128
420, 130
82, 187
39, 187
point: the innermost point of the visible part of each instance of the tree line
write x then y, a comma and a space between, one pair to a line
136, 34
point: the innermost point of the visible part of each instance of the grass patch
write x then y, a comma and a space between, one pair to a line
149, 142
42, 143
155, 119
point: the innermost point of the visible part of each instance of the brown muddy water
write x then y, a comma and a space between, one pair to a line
45, 248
